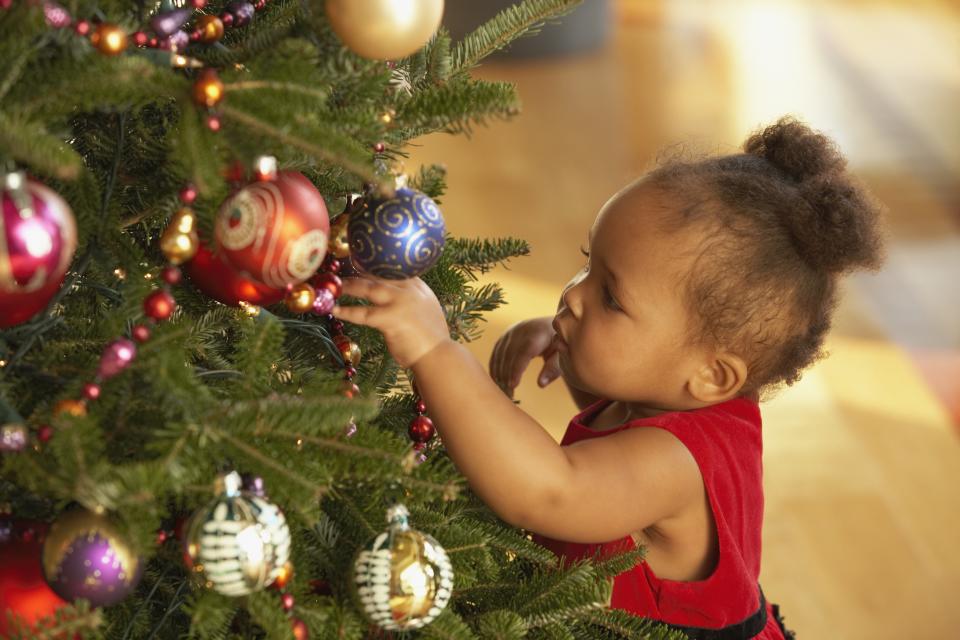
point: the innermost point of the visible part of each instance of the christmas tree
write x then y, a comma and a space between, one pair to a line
183, 186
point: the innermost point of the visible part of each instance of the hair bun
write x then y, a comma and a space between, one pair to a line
795, 149
837, 227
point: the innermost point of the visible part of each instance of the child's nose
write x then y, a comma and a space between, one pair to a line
571, 297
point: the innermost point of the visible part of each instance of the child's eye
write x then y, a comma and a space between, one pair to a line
608, 299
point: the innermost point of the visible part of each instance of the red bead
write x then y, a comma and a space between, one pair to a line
196, 35
260, 5
159, 305
140, 39
421, 407
82, 28
331, 264
171, 275
349, 390
421, 429
349, 372
162, 537
213, 123
336, 325
379, 147
198, 4
300, 630
287, 600
329, 281
227, 19
188, 194
91, 391
153, 43
44, 433
140, 333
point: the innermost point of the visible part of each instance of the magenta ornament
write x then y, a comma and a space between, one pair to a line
116, 357
38, 237
85, 556
324, 302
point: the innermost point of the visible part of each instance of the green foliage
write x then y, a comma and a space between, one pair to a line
215, 389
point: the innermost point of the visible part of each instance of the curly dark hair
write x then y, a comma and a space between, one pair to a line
782, 222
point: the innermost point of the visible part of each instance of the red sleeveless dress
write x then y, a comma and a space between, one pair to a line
725, 441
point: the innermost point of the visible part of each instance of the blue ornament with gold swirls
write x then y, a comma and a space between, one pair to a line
397, 238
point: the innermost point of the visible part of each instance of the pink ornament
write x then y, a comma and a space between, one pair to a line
323, 303
38, 237
116, 357
55, 15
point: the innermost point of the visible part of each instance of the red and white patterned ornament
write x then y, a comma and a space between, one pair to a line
274, 232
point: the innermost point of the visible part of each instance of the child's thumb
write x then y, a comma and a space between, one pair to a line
550, 372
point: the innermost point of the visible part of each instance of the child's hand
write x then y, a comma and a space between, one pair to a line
406, 312
520, 344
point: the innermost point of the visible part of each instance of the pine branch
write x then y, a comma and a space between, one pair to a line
508, 25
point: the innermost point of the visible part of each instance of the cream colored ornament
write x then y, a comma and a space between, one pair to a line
384, 29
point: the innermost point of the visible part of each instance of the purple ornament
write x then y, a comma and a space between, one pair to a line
254, 484
116, 357
13, 437
85, 557
323, 303
178, 41
242, 13
166, 24
55, 15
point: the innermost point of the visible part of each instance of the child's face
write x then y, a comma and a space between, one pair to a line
622, 318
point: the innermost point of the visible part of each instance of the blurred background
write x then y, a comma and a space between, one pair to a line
862, 459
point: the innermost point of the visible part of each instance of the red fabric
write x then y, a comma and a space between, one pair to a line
725, 440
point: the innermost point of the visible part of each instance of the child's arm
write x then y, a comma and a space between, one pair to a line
595, 490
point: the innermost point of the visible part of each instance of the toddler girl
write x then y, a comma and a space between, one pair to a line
706, 284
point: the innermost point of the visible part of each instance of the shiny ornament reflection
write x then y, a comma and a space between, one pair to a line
384, 29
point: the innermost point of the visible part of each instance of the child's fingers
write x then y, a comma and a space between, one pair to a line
376, 291
551, 369
358, 314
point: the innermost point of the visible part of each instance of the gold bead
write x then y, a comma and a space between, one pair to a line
387, 116
348, 349
210, 28
109, 39
300, 298
339, 243
208, 89
180, 241
75, 408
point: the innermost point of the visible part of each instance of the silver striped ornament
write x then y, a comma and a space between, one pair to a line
403, 578
239, 542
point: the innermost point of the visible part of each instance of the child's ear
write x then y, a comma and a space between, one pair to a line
718, 380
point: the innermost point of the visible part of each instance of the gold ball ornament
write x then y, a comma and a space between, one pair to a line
404, 578
384, 29
74, 408
208, 89
210, 28
180, 241
109, 39
339, 244
300, 298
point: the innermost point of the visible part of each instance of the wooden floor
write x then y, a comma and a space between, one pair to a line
862, 457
